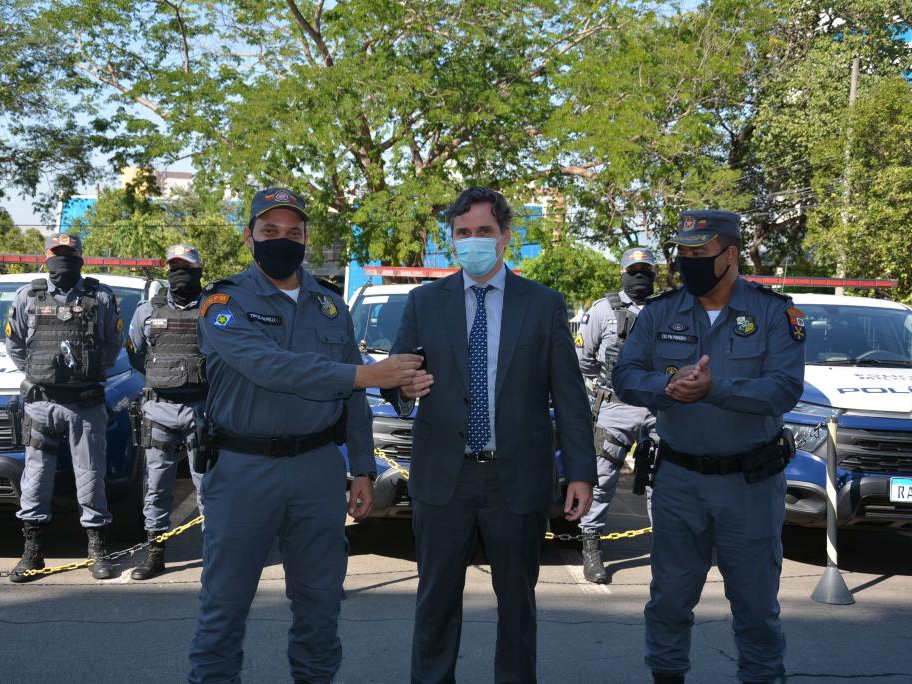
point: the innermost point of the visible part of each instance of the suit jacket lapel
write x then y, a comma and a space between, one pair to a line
455, 315
515, 302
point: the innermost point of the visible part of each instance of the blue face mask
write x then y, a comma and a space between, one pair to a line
477, 255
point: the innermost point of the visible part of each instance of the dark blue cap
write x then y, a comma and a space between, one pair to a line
638, 255
700, 226
271, 198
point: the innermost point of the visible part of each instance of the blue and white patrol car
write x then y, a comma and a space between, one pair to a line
858, 356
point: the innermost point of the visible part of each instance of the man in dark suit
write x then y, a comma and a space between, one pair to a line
498, 347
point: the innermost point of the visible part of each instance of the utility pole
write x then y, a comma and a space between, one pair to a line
847, 175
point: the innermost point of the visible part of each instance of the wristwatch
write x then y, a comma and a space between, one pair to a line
371, 475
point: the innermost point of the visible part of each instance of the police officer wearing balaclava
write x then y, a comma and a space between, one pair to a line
718, 361
602, 332
64, 332
162, 344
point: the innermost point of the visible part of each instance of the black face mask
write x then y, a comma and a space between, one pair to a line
186, 284
699, 273
638, 284
278, 258
64, 270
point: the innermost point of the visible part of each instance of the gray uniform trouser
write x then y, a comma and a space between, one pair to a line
620, 422
84, 429
694, 513
250, 501
179, 421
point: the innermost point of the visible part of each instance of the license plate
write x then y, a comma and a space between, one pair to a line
901, 489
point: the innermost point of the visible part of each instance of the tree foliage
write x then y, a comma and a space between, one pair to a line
381, 111
580, 273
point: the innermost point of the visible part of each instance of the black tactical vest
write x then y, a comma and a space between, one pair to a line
173, 359
64, 348
624, 318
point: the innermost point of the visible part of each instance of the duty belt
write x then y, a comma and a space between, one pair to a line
176, 396
274, 447
84, 395
725, 465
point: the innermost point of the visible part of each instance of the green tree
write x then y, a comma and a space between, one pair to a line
15, 241
578, 272
380, 111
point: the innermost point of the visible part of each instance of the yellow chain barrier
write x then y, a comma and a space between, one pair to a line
381, 454
116, 554
613, 536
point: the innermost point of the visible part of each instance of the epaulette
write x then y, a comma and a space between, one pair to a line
90, 285
329, 285
38, 285
210, 287
652, 299
766, 289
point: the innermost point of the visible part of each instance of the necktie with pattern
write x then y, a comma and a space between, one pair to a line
479, 421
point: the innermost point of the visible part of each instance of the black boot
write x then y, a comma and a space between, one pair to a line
32, 555
593, 570
668, 678
98, 547
154, 562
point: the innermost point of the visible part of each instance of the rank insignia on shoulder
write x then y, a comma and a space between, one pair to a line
217, 298
578, 340
584, 319
327, 306
745, 326
796, 324
223, 319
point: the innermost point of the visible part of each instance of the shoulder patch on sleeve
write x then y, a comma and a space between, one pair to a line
578, 340
119, 325
796, 324
8, 329
217, 298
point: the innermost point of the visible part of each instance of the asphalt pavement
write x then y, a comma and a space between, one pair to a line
71, 628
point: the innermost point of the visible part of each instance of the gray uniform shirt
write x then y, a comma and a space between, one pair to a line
109, 327
277, 367
598, 332
756, 357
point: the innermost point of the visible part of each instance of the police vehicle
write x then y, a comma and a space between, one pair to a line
858, 356
125, 479
376, 311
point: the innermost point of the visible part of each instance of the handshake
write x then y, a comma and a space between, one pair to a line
398, 370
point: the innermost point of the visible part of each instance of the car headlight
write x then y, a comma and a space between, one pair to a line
810, 436
375, 400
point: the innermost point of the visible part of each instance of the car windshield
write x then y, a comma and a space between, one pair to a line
127, 299
839, 335
376, 319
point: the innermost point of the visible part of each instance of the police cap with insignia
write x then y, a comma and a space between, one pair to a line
637, 255
272, 198
56, 240
700, 226
186, 253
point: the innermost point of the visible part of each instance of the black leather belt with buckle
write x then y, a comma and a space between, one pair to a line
481, 456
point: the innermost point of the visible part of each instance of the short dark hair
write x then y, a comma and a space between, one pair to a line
727, 241
500, 208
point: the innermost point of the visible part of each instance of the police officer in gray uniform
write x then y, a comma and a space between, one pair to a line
162, 344
64, 332
602, 332
718, 361
283, 366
